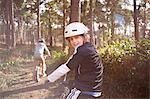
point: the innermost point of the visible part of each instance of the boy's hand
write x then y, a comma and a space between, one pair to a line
47, 84
46, 81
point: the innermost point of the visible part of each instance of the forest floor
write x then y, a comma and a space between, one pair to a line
16, 79
22, 85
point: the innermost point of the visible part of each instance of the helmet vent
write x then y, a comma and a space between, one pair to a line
74, 30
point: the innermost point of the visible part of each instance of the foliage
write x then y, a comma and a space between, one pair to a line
126, 64
58, 54
4, 64
117, 50
143, 51
121, 49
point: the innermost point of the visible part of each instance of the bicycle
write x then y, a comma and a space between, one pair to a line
64, 88
39, 70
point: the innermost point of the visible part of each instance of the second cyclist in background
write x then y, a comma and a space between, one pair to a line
39, 56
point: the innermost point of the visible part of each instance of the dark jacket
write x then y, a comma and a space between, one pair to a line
88, 68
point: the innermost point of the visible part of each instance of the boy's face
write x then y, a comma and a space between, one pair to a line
75, 41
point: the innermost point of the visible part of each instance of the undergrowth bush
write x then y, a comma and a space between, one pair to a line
7, 63
58, 54
114, 52
126, 67
143, 51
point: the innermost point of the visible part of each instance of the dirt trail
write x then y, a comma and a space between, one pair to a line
23, 86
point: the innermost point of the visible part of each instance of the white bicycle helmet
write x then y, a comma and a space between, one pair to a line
75, 28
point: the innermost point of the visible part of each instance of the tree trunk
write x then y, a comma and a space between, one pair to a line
125, 29
3, 30
145, 20
13, 44
64, 22
7, 19
83, 11
112, 19
112, 24
136, 26
20, 29
92, 37
50, 33
75, 11
108, 23
38, 20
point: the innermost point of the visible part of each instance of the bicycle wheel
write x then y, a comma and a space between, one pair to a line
37, 73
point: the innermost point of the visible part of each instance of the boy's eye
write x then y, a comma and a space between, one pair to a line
70, 39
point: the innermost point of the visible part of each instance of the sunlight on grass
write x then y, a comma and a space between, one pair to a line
3, 82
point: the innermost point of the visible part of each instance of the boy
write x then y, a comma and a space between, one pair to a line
39, 56
86, 62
